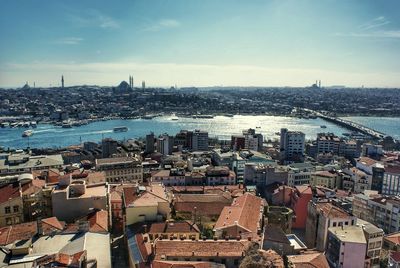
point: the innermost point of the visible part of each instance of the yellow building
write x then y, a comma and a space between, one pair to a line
325, 179
11, 206
146, 204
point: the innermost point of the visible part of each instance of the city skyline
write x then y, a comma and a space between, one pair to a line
261, 43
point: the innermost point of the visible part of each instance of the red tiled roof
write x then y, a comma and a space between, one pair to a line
394, 238
331, 211
244, 211
205, 204
53, 222
130, 195
367, 161
9, 191
181, 264
199, 248
22, 231
174, 227
309, 260
98, 221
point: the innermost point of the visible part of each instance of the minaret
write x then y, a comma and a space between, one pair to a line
62, 81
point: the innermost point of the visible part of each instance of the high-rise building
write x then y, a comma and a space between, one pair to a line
200, 140
328, 143
165, 144
109, 147
143, 85
62, 81
292, 145
150, 143
252, 140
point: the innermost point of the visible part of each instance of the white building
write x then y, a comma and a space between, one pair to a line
291, 144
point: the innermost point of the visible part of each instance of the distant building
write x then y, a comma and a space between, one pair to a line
121, 169
109, 147
237, 142
18, 163
165, 144
150, 143
299, 173
391, 180
252, 140
372, 150
292, 145
200, 140
328, 143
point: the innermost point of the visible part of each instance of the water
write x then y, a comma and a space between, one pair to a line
49, 136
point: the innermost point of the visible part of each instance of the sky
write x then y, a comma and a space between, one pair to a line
200, 43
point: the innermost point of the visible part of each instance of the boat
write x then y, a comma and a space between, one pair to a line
258, 127
33, 124
201, 116
66, 125
323, 126
174, 118
5, 124
148, 117
27, 133
120, 129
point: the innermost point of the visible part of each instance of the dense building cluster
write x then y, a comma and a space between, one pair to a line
93, 102
187, 200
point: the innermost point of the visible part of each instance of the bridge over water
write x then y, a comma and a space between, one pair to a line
350, 125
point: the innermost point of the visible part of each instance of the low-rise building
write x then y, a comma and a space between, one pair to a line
121, 169
229, 253
19, 163
74, 199
143, 204
325, 178
243, 218
309, 259
174, 230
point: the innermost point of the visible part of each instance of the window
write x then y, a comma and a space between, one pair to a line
16, 208
7, 210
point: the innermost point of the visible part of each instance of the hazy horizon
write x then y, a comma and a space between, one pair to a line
201, 43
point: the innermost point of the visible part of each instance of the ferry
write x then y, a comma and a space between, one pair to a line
120, 129
27, 133
66, 124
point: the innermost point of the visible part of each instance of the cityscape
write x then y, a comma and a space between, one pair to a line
200, 134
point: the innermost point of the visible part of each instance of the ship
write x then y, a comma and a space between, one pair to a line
120, 129
27, 133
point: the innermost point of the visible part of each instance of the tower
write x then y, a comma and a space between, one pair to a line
62, 81
143, 84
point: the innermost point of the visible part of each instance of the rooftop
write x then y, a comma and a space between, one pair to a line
174, 227
309, 260
207, 248
353, 234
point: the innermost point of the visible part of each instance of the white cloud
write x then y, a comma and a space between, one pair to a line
162, 24
374, 23
375, 34
93, 18
69, 40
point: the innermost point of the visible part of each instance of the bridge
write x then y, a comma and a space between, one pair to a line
350, 125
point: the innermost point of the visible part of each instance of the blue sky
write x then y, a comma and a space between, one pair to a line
201, 43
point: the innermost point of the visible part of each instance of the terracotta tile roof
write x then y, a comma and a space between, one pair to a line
331, 211
9, 191
144, 247
52, 222
205, 204
309, 260
394, 238
22, 231
244, 211
208, 248
184, 264
98, 221
325, 173
367, 161
130, 195
174, 227
304, 189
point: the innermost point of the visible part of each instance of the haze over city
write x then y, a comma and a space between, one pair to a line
200, 43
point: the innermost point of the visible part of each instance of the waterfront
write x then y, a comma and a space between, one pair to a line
49, 136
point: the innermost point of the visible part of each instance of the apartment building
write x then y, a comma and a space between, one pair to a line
121, 169
292, 144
